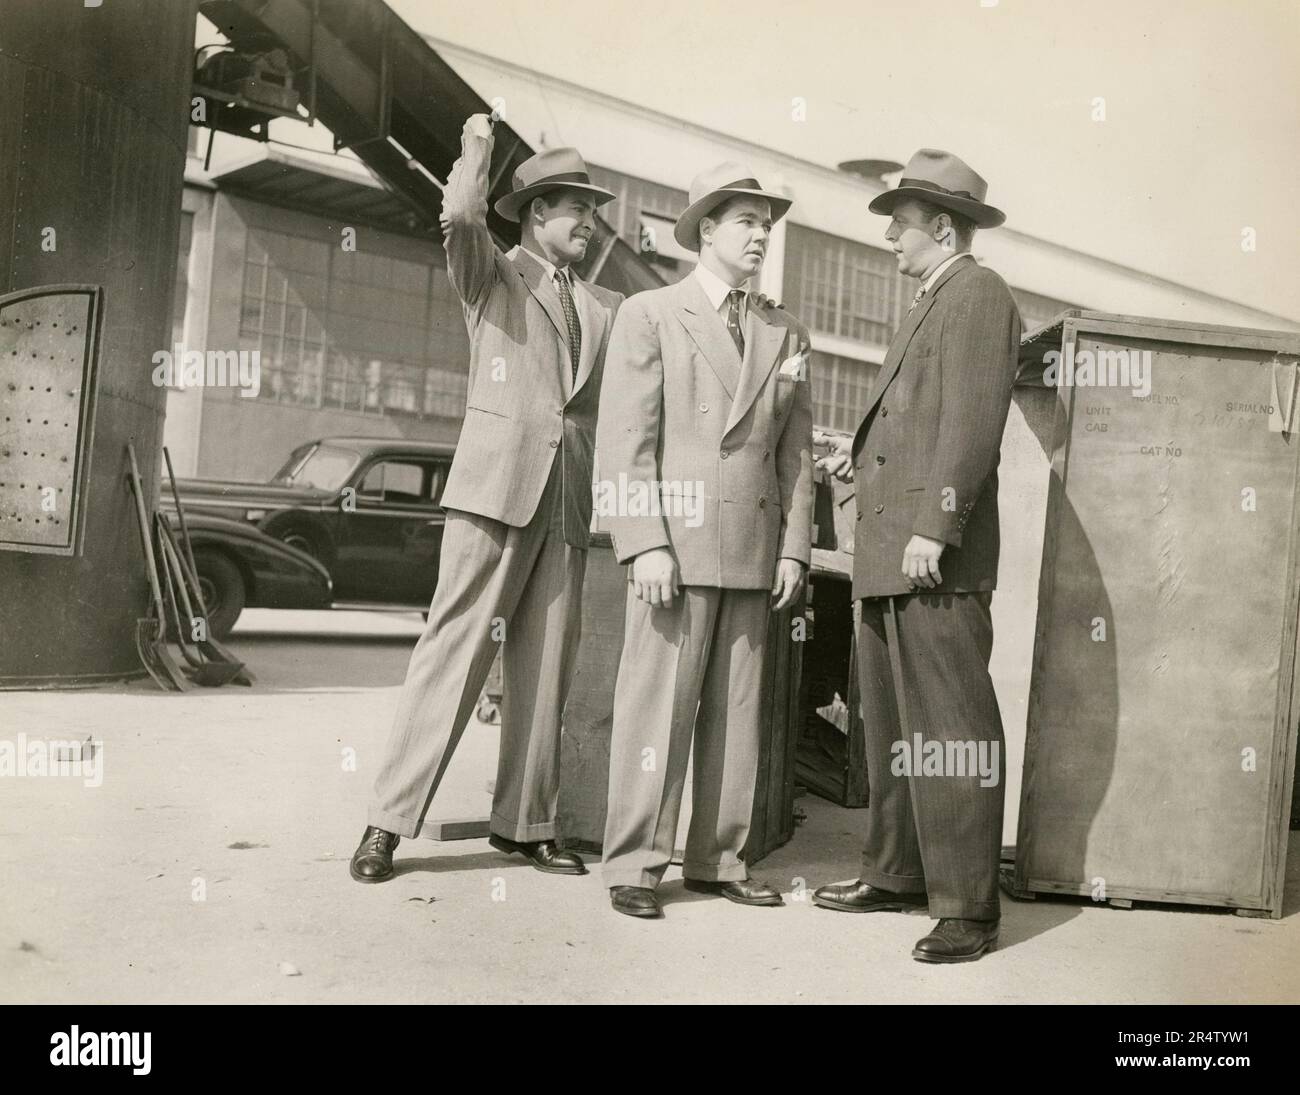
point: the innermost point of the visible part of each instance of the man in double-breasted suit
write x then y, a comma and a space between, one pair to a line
518, 501
925, 561
705, 437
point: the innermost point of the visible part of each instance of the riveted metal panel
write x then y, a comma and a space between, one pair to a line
47, 384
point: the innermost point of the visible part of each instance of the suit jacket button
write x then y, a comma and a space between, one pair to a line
704, 407
859, 517
880, 509
884, 412
726, 453
762, 502
880, 459
767, 453
555, 444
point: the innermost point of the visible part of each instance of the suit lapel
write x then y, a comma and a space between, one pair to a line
534, 276
898, 346
763, 342
705, 326
594, 318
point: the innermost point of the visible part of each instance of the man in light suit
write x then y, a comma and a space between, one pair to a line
518, 501
925, 561
706, 406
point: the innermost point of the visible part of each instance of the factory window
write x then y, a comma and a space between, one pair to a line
643, 215
840, 387
352, 330
841, 287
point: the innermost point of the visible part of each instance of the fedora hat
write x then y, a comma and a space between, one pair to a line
941, 178
709, 189
549, 170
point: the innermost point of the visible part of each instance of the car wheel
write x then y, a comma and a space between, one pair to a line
222, 586
300, 539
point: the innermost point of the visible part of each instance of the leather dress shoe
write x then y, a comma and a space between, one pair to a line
863, 897
542, 854
744, 891
956, 940
635, 901
373, 859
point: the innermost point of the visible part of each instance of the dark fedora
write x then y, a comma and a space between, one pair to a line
553, 169
939, 177
709, 189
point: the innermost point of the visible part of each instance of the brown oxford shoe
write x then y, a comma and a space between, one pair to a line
373, 859
635, 901
744, 891
956, 940
861, 897
542, 854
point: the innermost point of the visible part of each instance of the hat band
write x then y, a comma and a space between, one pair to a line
560, 179
926, 184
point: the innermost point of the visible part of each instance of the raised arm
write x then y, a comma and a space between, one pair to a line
470, 251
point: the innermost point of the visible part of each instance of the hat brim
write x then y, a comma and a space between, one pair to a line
510, 205
984, 216
686, 230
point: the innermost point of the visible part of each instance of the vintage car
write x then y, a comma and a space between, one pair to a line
364, 510
240, 567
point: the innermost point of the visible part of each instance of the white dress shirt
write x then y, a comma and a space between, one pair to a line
934, 275
716, 290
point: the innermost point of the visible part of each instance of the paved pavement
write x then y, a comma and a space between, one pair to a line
210, 864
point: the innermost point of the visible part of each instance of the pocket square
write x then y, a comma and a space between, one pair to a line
795, 367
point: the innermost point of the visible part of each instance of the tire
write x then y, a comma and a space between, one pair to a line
223, 591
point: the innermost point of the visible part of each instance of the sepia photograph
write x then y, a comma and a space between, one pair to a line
534, 503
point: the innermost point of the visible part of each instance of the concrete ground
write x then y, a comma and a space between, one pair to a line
211, 865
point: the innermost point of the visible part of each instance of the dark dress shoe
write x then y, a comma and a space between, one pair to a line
958, 941
745, 891
635, 901
863, 897
542, 854
373, 859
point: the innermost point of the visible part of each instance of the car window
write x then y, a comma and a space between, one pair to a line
402, 482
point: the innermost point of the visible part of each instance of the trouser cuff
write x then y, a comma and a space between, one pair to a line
715, 872
894, 883
521, 832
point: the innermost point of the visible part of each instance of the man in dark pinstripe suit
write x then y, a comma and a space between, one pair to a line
924, 460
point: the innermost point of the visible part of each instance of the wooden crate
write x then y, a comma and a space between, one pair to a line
588, 716
1161, 741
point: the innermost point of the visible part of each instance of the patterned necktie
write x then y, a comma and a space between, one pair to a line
733, 319
571, 318
916, 300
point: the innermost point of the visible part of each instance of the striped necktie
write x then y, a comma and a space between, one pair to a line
737, 332
571, 318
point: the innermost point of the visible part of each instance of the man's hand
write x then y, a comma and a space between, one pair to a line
839, 461
654, 577
788, 583
478, 125
921, 561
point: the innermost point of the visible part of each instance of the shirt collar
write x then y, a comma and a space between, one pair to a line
714, 287
550, 267
929, 282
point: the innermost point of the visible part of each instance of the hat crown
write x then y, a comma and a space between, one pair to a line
550, 164
722, 177
947, 172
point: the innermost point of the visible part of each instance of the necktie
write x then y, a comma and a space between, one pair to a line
733, 319
916, 299
571, 318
